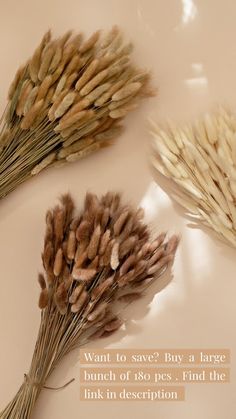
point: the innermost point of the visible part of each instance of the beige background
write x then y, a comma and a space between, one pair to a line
190, 47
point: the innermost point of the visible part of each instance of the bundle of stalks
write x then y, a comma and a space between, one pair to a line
201, 160
67, 101
94, 262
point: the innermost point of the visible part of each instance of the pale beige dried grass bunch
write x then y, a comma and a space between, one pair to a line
94, 262
66, 102
201, 160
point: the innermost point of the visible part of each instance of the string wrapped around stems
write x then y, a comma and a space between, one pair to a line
95, 261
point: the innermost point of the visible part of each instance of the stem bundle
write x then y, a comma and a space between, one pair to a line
66, 102
201, 160
94, 262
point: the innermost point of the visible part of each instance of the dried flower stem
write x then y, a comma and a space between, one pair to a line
201, 159
43, 117
93, 262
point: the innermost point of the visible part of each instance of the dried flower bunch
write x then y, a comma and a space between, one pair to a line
67, 101
201, 159
94, 262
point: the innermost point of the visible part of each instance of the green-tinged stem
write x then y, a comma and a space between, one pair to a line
25, 150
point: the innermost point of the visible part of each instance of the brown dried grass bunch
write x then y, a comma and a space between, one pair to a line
67, 101
201, 160
94, 262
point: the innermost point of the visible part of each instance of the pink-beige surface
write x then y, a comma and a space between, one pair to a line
190, 47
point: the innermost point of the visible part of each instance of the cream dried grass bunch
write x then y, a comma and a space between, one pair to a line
67, 101
93, 261
201, 159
